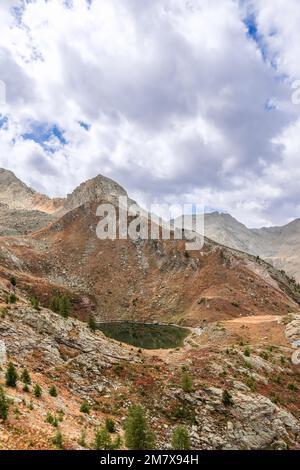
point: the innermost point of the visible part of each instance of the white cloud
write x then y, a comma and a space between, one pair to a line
176, 93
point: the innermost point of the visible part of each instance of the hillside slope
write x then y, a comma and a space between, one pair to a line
239, 358
153, 280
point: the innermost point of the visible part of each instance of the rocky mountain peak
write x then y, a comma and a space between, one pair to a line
95, 189
13, 192
22, 209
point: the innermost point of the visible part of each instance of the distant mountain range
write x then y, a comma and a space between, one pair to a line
279, 246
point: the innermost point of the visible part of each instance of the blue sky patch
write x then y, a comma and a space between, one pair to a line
43, 133
3, 121
84, 125
253, 33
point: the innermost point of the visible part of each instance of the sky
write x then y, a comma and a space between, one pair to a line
179, 101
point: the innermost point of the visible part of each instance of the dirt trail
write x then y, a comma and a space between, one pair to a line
256, 319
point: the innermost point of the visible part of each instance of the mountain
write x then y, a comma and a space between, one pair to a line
17, 195
140, 280
23, 210
235, 318
95, 189
277, 245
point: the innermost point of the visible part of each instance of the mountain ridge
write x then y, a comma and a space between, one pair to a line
278, 245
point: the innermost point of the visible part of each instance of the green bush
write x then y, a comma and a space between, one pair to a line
250, 382
13, 281
110, 425
183, 411
180, 439
227, 398
92, 324
137, 433
186, 382
35, 303
4, 405
11, 375
25, 377
82, 439
52, 420
60, 415
85, 407
57, 440
3, 312
12, 299
247, 352
53, 391
61, 304
292, 387
37, 391
103, 440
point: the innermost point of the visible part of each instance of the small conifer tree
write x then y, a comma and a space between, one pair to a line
25, 377
110, 425
180, 439
58, 440
12, 299
85, 407
11, 375
92, 324
227, 398
37, 391
35, 303
61, 304
103, 440
4, 405
186, 382
137, 433
53, 391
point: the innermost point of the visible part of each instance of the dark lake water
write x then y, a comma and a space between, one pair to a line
145, 335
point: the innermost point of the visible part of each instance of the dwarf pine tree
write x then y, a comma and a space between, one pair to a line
25, 377
110, 425
11, 375
137, 433
103, 440
227, 398
186, 382
85, 407
37, 391
92, 324
53, 391
180, 439
35, 303
61, 304
4, 405
65, 306
58, 440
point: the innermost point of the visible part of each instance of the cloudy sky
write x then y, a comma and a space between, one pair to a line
177, 100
